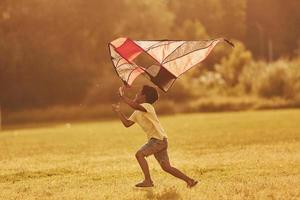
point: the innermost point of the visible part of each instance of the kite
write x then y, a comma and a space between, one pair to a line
161, 61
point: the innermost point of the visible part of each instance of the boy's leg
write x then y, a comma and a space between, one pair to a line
163, 159
148, 149
144, 166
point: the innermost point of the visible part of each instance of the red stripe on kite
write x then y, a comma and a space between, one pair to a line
129, 50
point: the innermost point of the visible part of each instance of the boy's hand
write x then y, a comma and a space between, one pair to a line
116, 107
121, 91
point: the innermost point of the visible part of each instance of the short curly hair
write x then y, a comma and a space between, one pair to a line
150, 93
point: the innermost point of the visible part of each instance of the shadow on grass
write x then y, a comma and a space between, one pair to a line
21, 176
166, 194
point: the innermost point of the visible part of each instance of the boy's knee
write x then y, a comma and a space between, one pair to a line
166, 167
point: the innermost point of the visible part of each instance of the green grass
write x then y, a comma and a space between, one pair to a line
241, 155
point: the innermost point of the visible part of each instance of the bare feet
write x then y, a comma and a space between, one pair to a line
191, 183
145, 184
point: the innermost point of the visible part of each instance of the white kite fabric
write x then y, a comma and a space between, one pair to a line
162, 61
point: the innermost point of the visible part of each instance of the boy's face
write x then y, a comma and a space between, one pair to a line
140, 98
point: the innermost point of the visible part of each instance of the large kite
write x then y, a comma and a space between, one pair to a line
162, 61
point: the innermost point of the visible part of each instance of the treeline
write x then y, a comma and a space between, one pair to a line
55, 52
239, 75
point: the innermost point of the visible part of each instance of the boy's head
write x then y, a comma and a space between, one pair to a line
148, 95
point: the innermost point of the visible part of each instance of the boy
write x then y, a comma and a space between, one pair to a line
157, 144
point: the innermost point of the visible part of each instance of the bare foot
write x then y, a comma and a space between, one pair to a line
192, 183
145, 184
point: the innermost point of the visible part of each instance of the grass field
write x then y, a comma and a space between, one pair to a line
242, 155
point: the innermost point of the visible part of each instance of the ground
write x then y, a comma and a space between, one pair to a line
240, 155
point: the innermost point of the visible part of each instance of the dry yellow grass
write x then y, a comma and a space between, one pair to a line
243, 155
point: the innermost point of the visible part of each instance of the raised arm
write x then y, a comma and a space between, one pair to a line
130, 102
126, 122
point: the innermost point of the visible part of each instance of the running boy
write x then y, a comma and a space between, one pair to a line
157, 144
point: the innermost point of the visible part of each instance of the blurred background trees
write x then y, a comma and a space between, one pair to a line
55, 52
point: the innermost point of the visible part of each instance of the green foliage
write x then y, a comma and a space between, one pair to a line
145, 19
190, 30
276, 79
233, 22
232, 66
182, 90
272, 21
279, 79
55, 52
249, 75
219, 17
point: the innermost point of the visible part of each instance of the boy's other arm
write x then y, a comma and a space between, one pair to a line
129, 102
126, 122
132, 104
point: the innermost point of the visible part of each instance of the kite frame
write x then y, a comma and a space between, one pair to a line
161, 64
